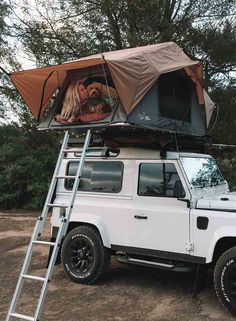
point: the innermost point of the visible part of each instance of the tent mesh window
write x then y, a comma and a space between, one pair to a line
175, 93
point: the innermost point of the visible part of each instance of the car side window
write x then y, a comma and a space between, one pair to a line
97, 176
159, 180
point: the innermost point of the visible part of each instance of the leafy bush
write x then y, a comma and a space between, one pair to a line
227, 164
27, 160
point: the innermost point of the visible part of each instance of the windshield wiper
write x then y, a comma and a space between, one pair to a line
200, 185
218, 182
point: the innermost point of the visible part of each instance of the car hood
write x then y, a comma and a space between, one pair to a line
226, 201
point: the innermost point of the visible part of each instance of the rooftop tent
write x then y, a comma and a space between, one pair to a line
155, 86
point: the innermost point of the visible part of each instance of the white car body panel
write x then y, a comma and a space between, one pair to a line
170, 225
221, 224
163, 214
226, 201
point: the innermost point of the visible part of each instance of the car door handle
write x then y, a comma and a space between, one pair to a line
140, 217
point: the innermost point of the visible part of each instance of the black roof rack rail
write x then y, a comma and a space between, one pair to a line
93, 152
78, 141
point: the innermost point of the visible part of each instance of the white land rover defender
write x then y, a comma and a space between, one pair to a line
170, 210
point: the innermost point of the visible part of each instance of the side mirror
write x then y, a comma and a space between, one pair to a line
178, 190
179, 193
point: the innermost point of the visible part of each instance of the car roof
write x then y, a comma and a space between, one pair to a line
134, 153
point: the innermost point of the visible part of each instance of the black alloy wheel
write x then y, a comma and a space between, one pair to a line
83, 256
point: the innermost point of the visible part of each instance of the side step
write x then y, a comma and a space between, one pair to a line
174, 266
131, 260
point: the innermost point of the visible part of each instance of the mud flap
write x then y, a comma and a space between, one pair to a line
200, 279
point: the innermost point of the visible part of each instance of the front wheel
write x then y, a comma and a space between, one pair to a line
84, 258
225, 280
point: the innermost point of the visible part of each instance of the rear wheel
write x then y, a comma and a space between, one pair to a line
225, 280
84, 258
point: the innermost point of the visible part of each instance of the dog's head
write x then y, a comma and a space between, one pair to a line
94, 90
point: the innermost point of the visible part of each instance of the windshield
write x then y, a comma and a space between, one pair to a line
202, 171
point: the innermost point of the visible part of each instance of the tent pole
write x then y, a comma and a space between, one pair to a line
41, 103
216, 119
176, 142
106, 80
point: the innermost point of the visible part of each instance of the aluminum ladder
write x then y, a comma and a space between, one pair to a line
35, 239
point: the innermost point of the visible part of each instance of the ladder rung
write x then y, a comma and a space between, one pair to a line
22, 316
33, 277
44, 243
66, 176
72, 150
57, 205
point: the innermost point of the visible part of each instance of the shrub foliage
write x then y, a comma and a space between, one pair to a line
27, 160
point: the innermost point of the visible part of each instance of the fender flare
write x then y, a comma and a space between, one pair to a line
95, 221
227, 231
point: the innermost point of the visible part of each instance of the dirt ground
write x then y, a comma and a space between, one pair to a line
127, 293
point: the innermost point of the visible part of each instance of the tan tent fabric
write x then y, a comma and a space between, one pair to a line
196, 74
37, 86
133, 71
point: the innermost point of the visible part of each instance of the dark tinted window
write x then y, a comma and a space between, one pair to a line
159, 180
97, 176
175, 96
151, 182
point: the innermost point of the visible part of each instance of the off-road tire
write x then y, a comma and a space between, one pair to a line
97, 256
225, 280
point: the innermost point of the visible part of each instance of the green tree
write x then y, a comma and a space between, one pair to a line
27, 160
74, 28
53, 31
224, 130
9, 98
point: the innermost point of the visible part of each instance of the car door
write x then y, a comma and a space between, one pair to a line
161, 220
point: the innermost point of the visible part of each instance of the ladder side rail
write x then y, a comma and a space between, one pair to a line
53, 181
37, 229
23, 271
78, 174
50, 268
62, 230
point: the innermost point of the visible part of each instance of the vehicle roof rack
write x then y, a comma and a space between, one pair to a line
224, 147
101, 152
78, 140
132, 135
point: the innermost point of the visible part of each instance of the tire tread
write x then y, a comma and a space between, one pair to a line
227, 255
105, 257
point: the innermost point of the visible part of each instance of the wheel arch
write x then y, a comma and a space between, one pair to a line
222, 239
95, 223
222, 245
